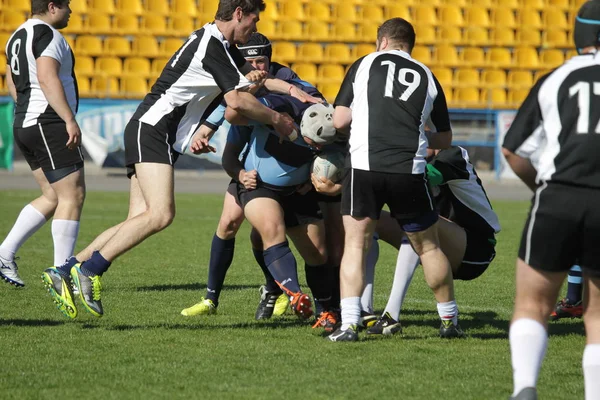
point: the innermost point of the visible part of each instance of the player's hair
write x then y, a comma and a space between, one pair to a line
41, 6
397, 30
227, 7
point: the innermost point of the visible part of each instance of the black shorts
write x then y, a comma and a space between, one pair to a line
407, 195
44, 146
479, 254
144, 143
562, 229
297, 209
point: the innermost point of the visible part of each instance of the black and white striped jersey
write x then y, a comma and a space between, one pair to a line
192, 84
392, 97
462, 197
34, 39
563, 111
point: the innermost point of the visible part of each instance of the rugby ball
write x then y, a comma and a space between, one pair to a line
329, 164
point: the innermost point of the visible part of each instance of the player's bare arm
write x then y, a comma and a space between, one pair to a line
235, 169
199, 143
522, 167
342, 118
439, 140
326, 186
47, 72
12, 90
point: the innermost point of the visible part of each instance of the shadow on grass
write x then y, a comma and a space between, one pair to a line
277, 324
189, 286
30, 322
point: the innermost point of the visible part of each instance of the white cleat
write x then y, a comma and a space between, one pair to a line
10, 272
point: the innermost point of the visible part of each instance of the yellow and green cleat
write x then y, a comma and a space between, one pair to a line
90, 289
59, 287
204, 307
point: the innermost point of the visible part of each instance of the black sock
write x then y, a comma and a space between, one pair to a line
270, 283
575, 285
221, 256
335, 294
66, 267
320, 281
282, 265
96, 265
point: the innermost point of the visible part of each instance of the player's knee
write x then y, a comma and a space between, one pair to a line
160, 219
272, 232
228, 228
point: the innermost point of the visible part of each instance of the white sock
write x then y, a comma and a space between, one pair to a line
350, 312
591, 371
528, 341
448, 311
64, 234
366, 299
27, 223
406, 264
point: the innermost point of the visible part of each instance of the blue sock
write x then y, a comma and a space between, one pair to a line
96, 265
221, 256
282, 265
66, 267
270, 283
575, 285
319, 279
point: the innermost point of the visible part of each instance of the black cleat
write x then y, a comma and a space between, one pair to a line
450, 331
366, 320
385, 325
267, 304
348, 335
529, 393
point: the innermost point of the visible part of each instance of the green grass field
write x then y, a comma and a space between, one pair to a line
143, 348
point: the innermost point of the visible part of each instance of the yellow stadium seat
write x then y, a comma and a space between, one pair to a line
316, 11
11, 19
269, 29
134, 87
510, 4
426, 34
291, 30
466, 77
459, 3
184, 7
554, 18
530, 18
476, 36
330, 73
158, 64
446, 56
208, 9
70, 41
516, 96
78, 7
101, 6
310, 52
83, 86
17, 5
372, 13
493, 78
553, 38
103, 87
477, 16
483, 3
153, 24
109, 66
317, 31
270, 13
329, 90
76, 25
84, 66
284, 52
422, 54
344, 12
494, 97
116, 46
170, 46
430, 3
3, 63
4, 36
139, 66
130, 7
520, 79
397, 11
526, 57
570, 54
292, 11
473, 57
367, 32
88, 46
362, 49
449, 96
344, 32
181, 25
466, 97
502, 37
338, 53
160, 7
529, 37
503, 17
448, 34
306, 71
145, 46
425, 15
126, 24
444, 77
561, 4
99, 23
538, 74
535, 4
551, 58
499, 57
451, 15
